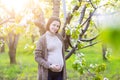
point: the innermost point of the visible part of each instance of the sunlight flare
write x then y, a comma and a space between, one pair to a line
17, 5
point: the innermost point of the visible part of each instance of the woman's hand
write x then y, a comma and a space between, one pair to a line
58, 68
55, 68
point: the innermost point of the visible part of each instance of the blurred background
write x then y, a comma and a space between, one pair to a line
91, 30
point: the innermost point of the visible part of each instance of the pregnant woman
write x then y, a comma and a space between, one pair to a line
49, 53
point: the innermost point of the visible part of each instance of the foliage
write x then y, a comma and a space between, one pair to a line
93, 71
1, 42
109, 53
29, 48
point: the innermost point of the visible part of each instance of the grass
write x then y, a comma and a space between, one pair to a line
26, 68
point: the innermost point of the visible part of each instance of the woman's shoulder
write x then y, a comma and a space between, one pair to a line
42, 38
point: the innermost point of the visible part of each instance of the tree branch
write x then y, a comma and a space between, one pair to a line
71, 52
106, 5
40, 21
90, 72
74, 48
82, 14
69, 17
90, 45
92, 4
85, 28
5, 21
88, 40
89, 17
80, 35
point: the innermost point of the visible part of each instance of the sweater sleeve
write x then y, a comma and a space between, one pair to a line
39, 55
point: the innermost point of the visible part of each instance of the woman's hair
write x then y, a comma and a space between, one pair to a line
53, 18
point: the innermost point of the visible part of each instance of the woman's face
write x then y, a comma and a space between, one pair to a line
54, 27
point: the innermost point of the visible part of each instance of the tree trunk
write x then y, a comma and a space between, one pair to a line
2, 45
104, 49
2, 50
12, 41
40, 21
12, 55
56, 8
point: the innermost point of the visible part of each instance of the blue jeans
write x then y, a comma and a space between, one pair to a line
55, 75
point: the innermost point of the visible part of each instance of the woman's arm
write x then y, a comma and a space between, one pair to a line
39, 55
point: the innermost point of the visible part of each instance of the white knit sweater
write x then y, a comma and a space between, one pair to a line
54, 46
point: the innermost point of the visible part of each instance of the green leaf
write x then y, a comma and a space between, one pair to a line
81, 70
79, 46
98, 77
68, 32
